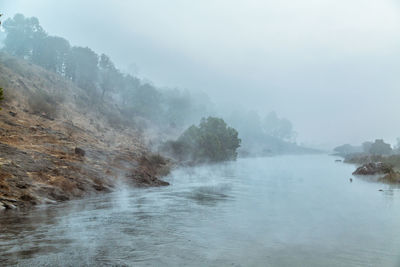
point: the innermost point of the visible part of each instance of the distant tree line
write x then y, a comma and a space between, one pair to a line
98, 75
263, 135
378, 147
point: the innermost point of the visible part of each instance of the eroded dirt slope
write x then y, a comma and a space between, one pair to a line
58, 148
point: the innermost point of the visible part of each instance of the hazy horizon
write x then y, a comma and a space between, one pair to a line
328, 66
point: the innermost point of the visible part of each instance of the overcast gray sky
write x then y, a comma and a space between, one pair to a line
330, 66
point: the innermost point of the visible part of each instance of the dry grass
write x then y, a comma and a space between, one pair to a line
43, 104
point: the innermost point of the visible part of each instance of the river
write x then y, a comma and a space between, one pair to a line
275, 211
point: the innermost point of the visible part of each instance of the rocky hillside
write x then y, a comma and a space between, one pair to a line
55, 145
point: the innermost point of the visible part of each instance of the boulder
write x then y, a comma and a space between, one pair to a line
149, 170
13, 114
373, 168
80, 151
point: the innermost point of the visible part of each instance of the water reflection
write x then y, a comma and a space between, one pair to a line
210, 195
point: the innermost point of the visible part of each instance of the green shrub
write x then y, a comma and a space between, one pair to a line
211, 141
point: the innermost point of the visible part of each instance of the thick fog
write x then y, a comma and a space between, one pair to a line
329, 66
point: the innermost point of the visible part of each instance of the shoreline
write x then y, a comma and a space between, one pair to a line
384, 167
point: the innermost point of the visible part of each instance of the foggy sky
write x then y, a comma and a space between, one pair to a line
330, 66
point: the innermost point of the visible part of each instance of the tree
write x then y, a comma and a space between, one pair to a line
22, 35
129, 85
146, 102
177, 106
2, 34
110, 77
366, 146
211, 141
50, 52
277, 127
27, 39
379, 147
82, 67
347, 149
396, 148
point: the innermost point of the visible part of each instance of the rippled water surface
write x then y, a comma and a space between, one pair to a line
279, 211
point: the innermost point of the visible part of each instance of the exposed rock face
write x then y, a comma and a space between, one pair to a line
373, 168
41, 165
31, 177
149, 170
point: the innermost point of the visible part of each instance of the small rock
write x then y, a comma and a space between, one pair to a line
21, 186
9, 206
48, 201
80, 151
27, 198
46, 116
12, 113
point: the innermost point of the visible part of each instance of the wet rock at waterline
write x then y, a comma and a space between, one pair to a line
373, 168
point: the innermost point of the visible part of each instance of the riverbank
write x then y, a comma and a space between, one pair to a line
42, 164
387, 167
55, 148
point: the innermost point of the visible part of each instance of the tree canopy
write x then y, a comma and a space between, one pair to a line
379, 147
98, 75
278, 127
212, 141
347, 149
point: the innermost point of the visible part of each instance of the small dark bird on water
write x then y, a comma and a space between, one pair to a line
351, 180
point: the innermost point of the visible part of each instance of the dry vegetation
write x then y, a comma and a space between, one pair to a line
42, 122
391, 160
